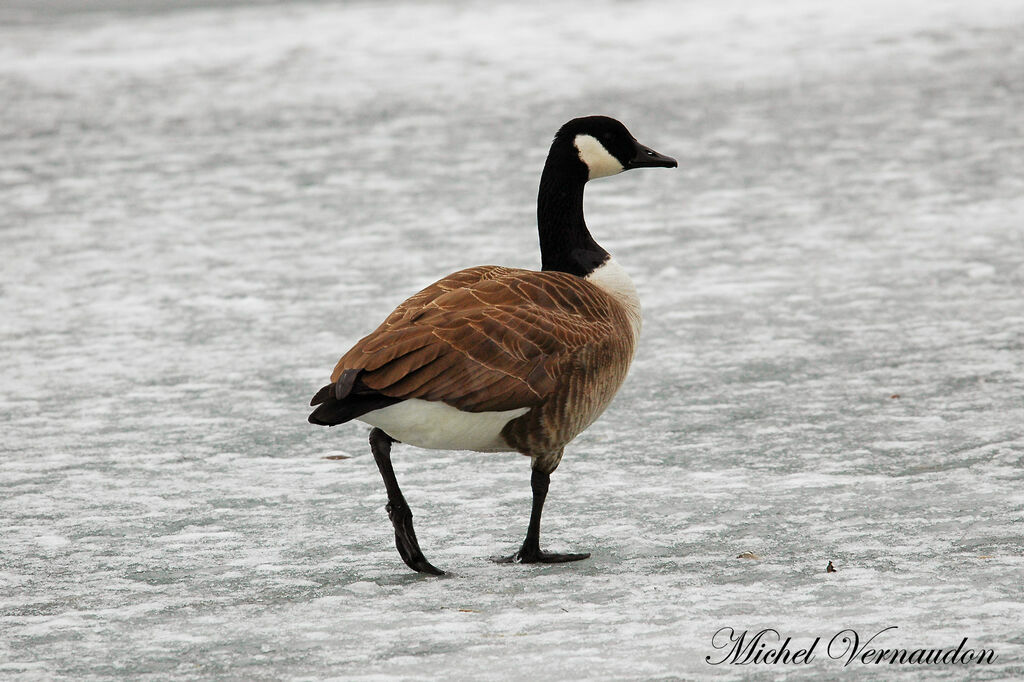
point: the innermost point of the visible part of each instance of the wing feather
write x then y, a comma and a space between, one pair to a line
486, 338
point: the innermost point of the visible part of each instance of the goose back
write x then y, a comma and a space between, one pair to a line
492, 339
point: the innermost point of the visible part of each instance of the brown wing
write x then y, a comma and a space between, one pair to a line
486, 338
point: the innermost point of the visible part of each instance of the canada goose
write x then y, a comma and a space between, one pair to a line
501, 359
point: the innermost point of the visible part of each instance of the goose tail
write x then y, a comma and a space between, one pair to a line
337, 403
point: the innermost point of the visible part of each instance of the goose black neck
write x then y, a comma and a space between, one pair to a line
566, 244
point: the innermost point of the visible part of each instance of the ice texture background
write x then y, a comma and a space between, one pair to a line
202, 206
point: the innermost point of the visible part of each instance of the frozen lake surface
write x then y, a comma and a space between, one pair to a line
201, 209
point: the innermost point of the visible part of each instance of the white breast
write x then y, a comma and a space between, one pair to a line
613, 279
437, 426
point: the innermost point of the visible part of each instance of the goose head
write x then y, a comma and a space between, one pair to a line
599, 146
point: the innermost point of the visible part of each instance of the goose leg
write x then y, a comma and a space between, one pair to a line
530, 552
398, 509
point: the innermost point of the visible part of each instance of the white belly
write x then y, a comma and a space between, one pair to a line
437, 426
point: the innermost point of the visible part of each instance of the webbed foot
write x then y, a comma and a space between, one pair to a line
535, 556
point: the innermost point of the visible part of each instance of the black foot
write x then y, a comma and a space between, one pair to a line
539, 557
405, 540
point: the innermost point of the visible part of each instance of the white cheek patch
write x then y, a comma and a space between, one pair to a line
598, 159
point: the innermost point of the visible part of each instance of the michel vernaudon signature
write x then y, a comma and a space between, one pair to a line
767, 646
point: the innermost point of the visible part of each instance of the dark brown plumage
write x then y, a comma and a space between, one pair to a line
492, 339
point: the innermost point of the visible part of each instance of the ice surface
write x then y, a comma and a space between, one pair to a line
202, 208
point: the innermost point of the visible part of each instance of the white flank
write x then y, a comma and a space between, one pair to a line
613, 278
598, 159
437, 426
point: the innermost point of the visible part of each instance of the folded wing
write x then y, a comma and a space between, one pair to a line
484, 339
